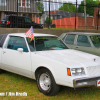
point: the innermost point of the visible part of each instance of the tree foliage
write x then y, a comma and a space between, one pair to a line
90, 4
68, 7
40, 7
47, 20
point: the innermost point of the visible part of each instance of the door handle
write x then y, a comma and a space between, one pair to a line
4, 52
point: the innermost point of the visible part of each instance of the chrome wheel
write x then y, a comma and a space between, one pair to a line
45, 81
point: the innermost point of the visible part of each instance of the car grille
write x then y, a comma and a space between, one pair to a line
93, 71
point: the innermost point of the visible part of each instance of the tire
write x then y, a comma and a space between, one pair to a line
46, 83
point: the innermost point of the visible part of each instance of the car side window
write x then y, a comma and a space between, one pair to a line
16, 42
83, 41
70, 39
28, 20
64, 37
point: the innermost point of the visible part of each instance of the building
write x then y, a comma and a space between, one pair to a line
65, 19
25, 8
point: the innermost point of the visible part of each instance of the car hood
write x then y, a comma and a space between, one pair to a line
71, 57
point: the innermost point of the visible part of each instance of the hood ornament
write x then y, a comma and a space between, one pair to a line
94, 59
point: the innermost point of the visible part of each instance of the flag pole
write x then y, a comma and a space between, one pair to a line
34, 44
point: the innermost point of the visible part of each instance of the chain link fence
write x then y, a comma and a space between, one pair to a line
49, 14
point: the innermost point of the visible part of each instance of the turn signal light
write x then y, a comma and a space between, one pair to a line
68, 71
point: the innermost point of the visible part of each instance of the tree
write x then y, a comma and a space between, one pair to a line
47, 20
68, 7
40, 8
90, 4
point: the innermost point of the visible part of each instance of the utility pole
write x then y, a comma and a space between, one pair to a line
85, 12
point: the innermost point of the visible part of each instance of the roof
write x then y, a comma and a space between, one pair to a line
55, 11
35, 34
67, 14
64, 13
83, 33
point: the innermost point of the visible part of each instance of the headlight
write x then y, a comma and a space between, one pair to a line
76, 71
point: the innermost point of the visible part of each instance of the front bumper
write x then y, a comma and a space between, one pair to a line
85, 82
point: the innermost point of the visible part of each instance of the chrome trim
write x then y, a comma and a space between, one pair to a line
90, 81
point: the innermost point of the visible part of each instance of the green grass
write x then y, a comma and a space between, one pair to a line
10, 82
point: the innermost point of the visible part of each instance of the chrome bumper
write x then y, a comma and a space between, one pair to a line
85, 82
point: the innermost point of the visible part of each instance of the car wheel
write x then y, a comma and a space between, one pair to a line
46, 83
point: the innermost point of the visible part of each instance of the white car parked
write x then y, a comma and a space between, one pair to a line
48, 60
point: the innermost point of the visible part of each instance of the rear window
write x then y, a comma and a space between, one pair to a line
4, 17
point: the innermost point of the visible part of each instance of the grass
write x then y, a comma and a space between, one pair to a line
10, 82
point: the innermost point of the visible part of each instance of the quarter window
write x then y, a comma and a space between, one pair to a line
15, 42
70, 39
64, 37
83, 41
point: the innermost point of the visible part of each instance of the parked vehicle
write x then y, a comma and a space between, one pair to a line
49, 61
87, 42
22, 21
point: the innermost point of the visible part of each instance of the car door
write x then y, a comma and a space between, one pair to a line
83, 44
15, 60
69, 40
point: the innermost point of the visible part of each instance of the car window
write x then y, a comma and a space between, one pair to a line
46, 43
4, 17
83, 41
15, 42
28, 20
95, 40
64, 37
70, 39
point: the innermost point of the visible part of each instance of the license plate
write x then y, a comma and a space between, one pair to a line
98, 83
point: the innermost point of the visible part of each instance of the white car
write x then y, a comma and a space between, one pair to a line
49, 61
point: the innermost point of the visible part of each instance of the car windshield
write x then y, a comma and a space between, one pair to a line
95, 40
46, 43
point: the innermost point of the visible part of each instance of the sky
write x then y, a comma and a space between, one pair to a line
55, 6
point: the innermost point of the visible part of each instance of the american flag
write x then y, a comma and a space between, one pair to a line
29, 33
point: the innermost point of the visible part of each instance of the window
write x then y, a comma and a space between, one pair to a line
64, 37
70, 39
83, 41
3, 3
95, 40
28, 20
24, 3
46, 43
15, 42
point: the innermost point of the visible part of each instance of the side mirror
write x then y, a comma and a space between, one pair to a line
20, 50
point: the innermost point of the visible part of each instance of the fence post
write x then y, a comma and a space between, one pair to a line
17, 13
85, 14
49, 15
98, 19
75, 14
